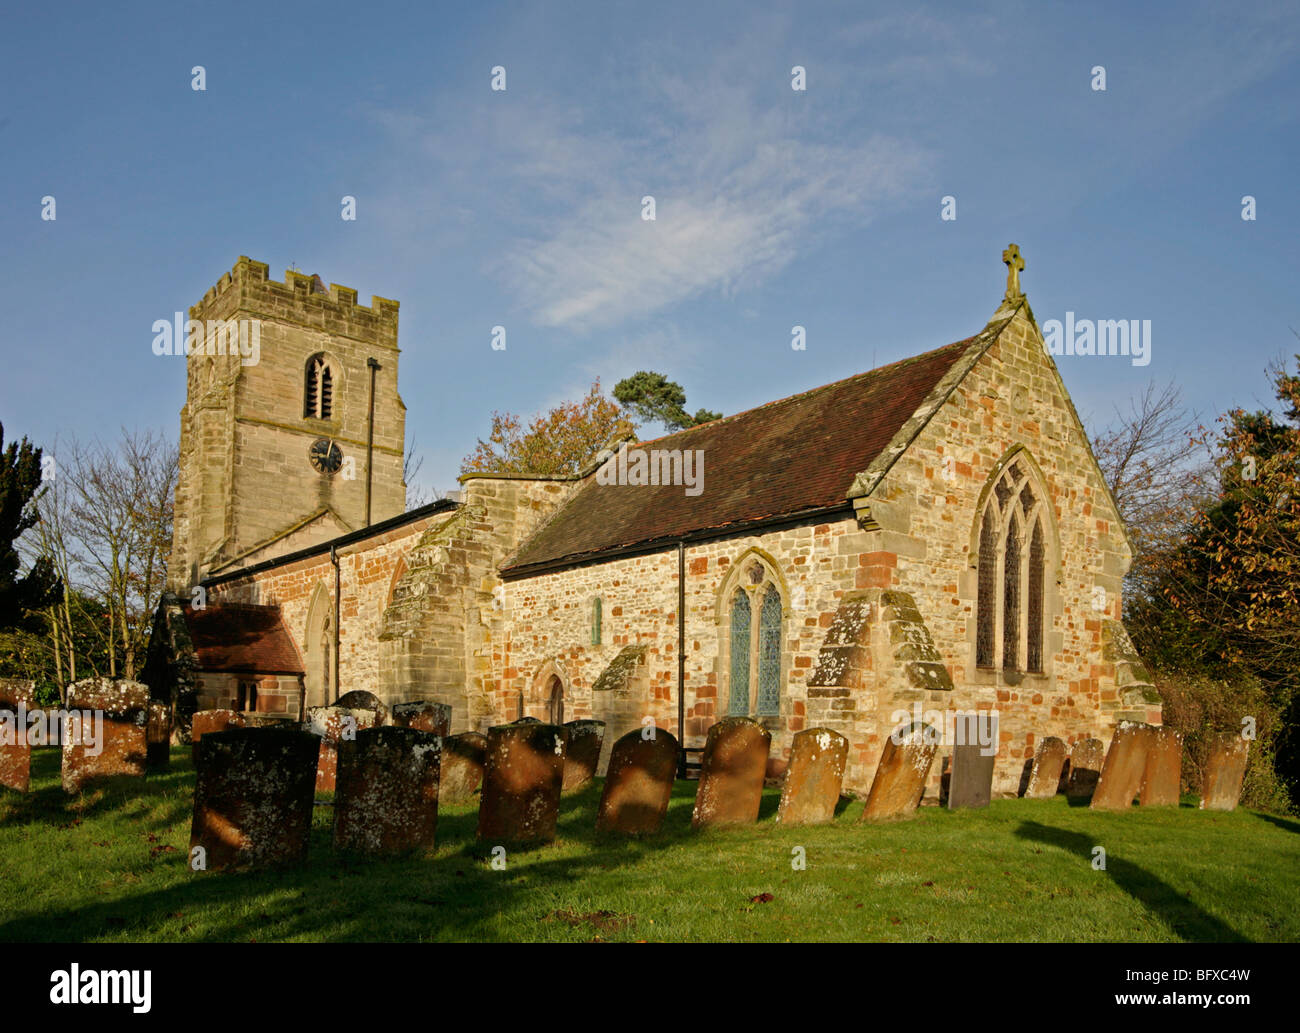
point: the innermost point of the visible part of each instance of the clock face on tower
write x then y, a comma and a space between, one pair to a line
326, 456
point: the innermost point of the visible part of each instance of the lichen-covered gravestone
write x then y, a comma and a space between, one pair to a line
463, 759
731, 773
1045, 776
899, 784
158, 736
970, 782
360, 699
813, 778
1225, 769
638, 783
205, 721
1085, 768
1161, 776
332, 725
253, 797
422, 716
386, 798
17, 697
110, 743
582, 742
522, 782
1123, 769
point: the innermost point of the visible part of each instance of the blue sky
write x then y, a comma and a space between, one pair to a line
523, 208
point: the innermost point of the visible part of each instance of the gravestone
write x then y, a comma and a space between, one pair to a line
332, 725
813, 777
638, 783
158, 736
253, 796
386, 800
899, 784
422, 716
970, 782
1225, 769
1123, 769
731, 773
582, 742
360, 699
1085, 768
463, 759
522, 782
1161, 775
205, 721
17, 699
112, 743
1045, 776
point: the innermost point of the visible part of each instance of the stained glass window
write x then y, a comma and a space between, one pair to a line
769, 654
1034, 659
1011, 598
988, 565
739, 703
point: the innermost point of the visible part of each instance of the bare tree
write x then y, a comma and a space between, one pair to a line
412, 461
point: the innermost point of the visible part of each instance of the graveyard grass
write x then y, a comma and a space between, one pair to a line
113, 867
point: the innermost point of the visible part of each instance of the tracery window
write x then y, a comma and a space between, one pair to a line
318, 394
755, 645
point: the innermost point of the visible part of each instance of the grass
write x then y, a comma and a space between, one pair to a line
112, 867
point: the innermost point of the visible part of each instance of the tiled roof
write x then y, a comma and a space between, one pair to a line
789, 457
242, 638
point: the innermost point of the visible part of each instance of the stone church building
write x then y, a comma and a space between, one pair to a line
927, 537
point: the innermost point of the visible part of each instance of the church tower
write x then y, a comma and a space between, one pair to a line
292, 431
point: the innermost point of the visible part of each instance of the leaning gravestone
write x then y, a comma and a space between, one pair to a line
360, 699
970, 783
1124, 767
582, 742
112, 742
333, 725
422, 716
386, 798
1161, 775
522, 781
1085, 768
1045, 776
206, 721
731, 773
463, 759
638, 783
899, 784
253, 797
1225, 769
17, 698
158, 736
813, 778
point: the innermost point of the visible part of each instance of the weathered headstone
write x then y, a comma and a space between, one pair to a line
1225, 769
1085, 768
1122, 771
333, 725
111, 741
158, 736
582, 742
463, 758
17, 698
813, 777
970, 782
205, 721
522, 783
422, 716
360, 699
731, 773
1045, 776
386, 800
1161, 775
253, 796
638, 783
899, 784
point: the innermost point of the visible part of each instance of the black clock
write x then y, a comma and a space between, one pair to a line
326, 456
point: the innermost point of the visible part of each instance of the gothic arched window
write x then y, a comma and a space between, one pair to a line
318, 395
1009, 608
754, 665
739, 703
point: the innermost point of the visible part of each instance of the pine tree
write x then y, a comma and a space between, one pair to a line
20, 479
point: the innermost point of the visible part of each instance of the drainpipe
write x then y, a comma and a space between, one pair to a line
338, 586
370, 433
681, 658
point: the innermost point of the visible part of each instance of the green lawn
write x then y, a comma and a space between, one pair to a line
112, 867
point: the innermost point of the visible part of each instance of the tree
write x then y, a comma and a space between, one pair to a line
656, 399
20, 479
562, 441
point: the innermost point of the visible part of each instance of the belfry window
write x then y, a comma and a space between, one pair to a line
318, 396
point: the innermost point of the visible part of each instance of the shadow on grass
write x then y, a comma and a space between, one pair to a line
1283, 823
1182, 916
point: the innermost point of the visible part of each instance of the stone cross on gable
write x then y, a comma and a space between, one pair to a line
1014, 263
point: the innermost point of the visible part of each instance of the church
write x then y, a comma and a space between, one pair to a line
927, 537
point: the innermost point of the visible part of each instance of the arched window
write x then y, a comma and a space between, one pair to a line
318, 395
1010, 584
755, 612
